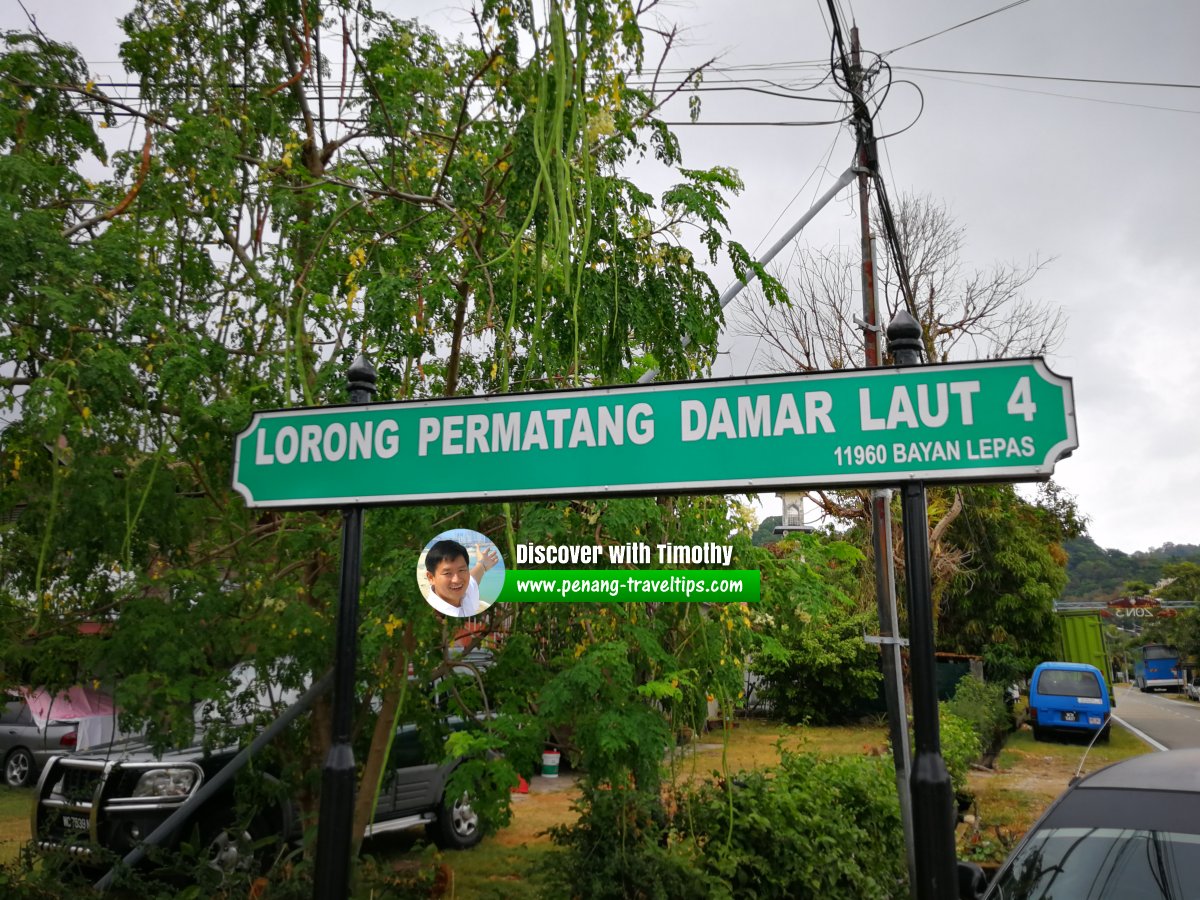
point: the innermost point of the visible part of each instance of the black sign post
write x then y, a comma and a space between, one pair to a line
932, 793
336, 823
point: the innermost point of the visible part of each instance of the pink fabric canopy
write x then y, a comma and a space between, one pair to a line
77, 702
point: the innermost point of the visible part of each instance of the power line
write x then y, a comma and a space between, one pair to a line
1005, 87
959, 25
783, 90
762, 124
1157, 84
122, 114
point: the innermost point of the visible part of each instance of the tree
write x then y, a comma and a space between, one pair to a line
1183, 581
1000, 603
964, 313
809, 647
1099, 574
765, 532
307, 179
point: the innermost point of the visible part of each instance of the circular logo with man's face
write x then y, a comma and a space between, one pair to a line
460, 572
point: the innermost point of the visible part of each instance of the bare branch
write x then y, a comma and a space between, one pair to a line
979, 314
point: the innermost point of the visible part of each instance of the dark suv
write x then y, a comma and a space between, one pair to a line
100, 806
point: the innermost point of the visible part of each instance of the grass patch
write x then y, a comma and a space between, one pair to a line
14, 821
1028, 776
1122, 745
754, 744
495, 871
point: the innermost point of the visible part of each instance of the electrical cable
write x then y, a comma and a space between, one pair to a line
864, 128
824, 167
1005, 87
122, 114
921, 94
928, 37
731, 124
704, 88
1123, 83
783, 90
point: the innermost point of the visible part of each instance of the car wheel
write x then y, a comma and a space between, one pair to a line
18, 768
1105, 734
234, 849
1038, 733
457, 825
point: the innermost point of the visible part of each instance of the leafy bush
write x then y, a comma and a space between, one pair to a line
812, 827
810, 651
619, 848
982, 705
960, 746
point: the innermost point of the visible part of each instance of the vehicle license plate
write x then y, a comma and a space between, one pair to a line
1069, 717
1093, 720
78, 823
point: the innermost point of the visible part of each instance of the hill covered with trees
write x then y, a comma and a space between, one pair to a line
1096, 573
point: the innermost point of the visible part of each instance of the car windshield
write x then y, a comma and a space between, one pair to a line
1068, 683
1096, 863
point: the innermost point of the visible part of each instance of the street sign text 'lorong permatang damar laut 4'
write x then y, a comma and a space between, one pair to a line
1005, 420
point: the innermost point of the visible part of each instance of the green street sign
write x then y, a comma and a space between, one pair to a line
1004, 420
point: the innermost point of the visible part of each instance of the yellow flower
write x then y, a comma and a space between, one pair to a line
392, 624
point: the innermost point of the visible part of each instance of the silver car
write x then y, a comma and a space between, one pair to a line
1193, 687
24, 747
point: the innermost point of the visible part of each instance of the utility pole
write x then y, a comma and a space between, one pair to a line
881, 500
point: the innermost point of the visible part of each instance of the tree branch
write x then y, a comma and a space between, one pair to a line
143, 169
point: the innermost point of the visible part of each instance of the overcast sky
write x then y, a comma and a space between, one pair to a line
1101, 177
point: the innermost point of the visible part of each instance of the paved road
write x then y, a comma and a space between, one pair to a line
1172, 722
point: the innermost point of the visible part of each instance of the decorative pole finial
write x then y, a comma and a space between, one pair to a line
904, 339
360, 380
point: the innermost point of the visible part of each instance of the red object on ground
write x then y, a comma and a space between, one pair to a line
522, 786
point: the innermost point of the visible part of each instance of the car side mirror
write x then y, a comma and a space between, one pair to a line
972, 881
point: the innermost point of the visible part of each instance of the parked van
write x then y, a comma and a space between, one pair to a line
1068, 698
